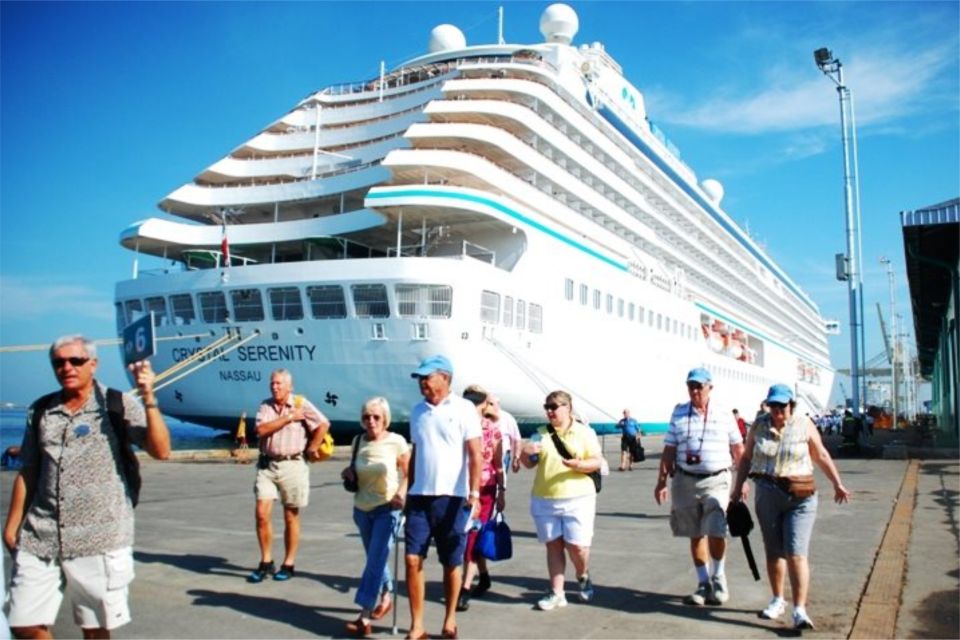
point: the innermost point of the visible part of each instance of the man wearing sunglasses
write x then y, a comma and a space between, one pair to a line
701, 445
70, 524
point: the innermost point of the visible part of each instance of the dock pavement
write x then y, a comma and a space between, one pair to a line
884, 565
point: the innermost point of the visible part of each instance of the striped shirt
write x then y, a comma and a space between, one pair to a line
292, 438
708, 435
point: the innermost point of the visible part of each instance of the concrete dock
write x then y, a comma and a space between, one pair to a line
885, 565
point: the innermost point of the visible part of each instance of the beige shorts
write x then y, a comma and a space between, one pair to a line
699, 506
97, 585
286, 480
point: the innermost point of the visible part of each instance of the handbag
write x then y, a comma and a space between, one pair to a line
352, 484
562, 450
494, 541
326, 448
637, 454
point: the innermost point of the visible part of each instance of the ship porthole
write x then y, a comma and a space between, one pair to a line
299, 331
275, 335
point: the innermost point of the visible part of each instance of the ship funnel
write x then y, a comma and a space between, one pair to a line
559, 23
714, 190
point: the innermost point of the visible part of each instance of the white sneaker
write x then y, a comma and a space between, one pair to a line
700, 596
801, 621
774, 610
551, 601
718, 590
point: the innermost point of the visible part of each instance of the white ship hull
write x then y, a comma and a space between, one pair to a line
479, 207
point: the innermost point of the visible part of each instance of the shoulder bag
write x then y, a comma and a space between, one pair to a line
352, 484
562, 450
494, 541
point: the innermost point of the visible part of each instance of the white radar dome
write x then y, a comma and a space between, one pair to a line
445, 37
714, 189
559, 23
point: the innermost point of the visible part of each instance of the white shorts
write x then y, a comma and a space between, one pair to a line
98, 588
569, 518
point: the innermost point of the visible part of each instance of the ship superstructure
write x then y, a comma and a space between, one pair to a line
510, 206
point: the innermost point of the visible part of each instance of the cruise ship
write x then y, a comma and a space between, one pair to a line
508, 205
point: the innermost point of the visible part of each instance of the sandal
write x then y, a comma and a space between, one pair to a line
423, 635
383, 607
451, 635
359, 629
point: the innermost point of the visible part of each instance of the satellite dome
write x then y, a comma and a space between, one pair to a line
559, 23
445, 37
714, 189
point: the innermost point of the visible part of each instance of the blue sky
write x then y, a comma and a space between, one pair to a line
107, 107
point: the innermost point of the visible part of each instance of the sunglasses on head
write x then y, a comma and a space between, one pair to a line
75, 361
552, 406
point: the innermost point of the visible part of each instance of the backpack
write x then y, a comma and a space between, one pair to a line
128, 465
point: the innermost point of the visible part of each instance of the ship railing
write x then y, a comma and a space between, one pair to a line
291, 180
397, 78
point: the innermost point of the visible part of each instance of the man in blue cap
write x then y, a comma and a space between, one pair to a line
444, 489
701, 445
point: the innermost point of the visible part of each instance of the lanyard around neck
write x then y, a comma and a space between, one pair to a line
703, 431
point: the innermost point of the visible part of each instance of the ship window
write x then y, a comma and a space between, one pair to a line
596, 298
285, 303
536, 318
508, 311
326, 301
584, 294
659, 321
424, 300
489, 307
620, 307
134, 310
521, 314
247, 305
568, 288
650, 317
213, 306
631, 311
370, 300
609, 303
640, 313
181, 308
159, 307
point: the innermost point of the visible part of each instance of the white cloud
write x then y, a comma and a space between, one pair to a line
31, 298
888, 81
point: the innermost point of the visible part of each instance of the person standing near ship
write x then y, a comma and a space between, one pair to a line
444, 490
289, 428
629, 440
701, 445
70, 524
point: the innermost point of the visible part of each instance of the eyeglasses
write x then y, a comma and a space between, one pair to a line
75, 362
694, 386
371, 416
552, 406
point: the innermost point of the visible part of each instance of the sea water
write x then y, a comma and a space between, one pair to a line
183, 435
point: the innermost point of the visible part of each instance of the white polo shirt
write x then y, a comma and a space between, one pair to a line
439, 435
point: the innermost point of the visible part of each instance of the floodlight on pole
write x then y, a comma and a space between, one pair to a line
832, 68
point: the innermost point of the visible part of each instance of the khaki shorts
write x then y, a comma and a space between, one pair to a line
286, 480
97, 585
699, 506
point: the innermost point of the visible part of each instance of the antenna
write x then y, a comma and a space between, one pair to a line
500, 25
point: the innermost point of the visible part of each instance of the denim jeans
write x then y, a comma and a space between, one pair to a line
376, 527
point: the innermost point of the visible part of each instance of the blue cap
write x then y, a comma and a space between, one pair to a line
431, 364
780, 393
700, 375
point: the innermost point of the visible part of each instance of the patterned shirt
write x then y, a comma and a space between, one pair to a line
781, 453
290, 439
81, 506
490, 436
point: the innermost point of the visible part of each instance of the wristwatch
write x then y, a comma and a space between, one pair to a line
474, 494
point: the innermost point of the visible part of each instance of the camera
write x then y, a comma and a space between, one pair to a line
694, 459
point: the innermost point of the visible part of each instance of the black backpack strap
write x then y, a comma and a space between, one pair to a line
128, 463
356, 445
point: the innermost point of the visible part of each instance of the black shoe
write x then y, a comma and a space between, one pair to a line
265, 569
483, 585
463, 602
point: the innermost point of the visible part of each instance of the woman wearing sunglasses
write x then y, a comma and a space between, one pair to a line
564, 497
779, 455
380, 467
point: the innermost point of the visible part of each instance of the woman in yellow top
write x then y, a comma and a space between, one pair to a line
380, 469
779, 455
564, 498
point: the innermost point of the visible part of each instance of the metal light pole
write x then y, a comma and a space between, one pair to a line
831, 67
894, 339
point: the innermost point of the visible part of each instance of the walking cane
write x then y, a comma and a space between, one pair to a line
396, 566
